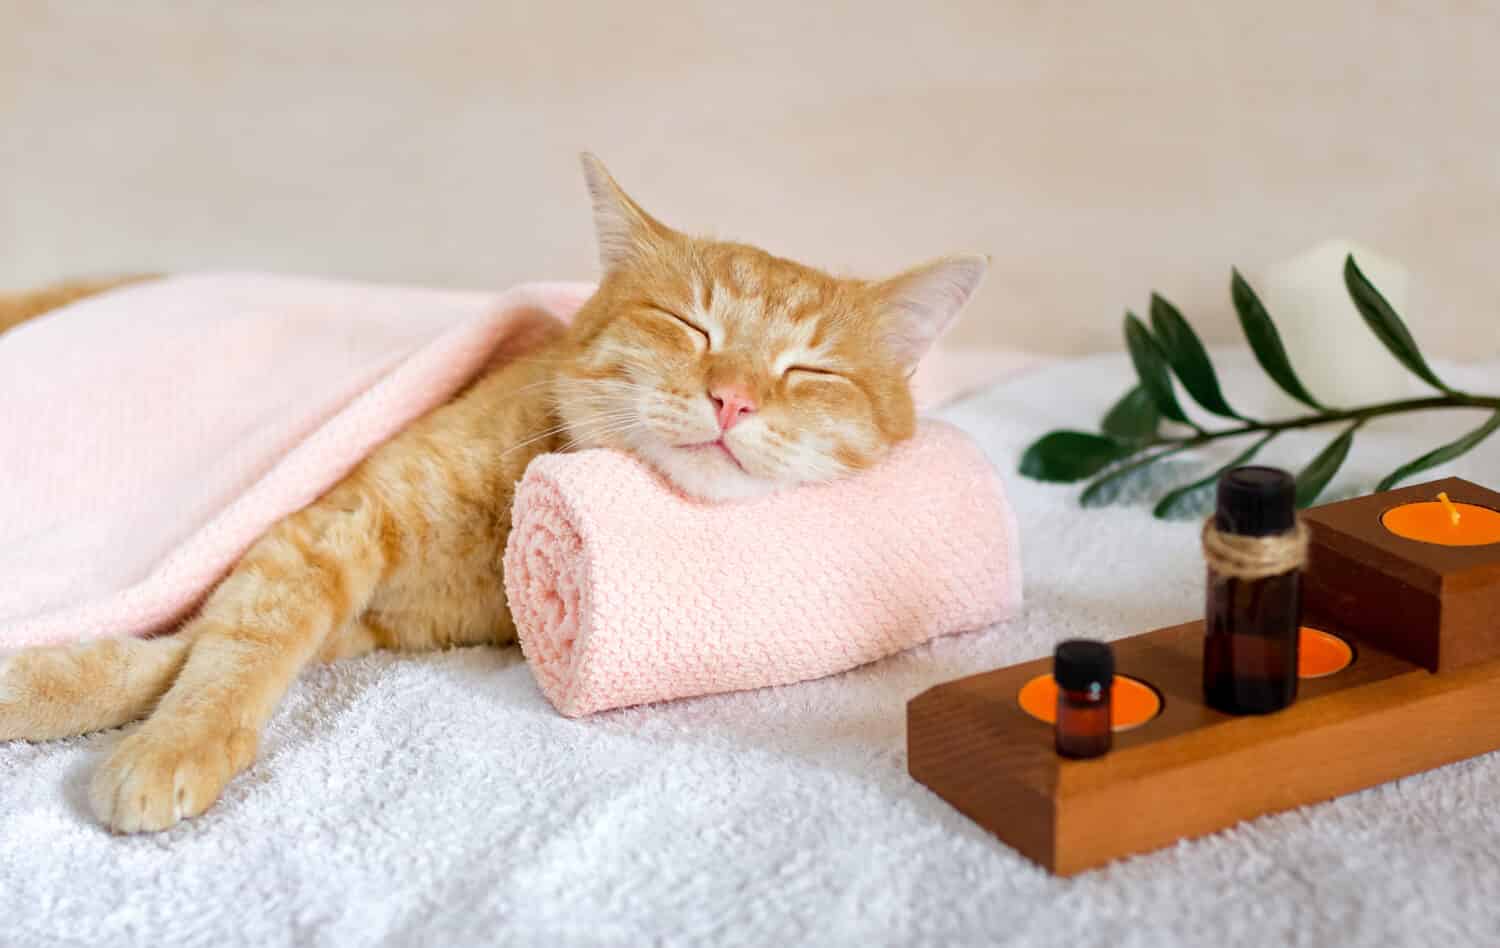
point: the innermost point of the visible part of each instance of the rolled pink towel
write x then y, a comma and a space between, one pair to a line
625, 592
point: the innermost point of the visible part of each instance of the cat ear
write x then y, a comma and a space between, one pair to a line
921, 304
623, 227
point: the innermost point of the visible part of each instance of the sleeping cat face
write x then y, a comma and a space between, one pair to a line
735, 373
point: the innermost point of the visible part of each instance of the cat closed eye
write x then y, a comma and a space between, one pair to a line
707, 340
816, 372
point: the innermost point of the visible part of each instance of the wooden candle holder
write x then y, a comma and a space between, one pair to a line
1193, 770
1436, 606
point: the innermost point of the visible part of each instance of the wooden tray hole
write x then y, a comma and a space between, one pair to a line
1132, 702
1320, 654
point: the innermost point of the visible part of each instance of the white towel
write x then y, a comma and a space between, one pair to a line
440, 800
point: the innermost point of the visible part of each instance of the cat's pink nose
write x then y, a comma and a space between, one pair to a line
731, 403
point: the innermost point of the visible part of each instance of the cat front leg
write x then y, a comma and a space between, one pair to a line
60, 691
306, 579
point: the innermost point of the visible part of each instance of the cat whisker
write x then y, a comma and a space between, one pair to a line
603, 423
602, 386
593, 434
550, 432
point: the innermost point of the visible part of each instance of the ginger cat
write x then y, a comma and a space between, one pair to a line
730, 371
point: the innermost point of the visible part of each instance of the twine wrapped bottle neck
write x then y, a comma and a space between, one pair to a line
1249, 557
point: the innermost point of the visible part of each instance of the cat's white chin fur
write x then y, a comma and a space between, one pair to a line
706, 474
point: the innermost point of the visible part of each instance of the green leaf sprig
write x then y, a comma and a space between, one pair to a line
1131, 439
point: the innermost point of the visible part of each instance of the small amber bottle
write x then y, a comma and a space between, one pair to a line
1085, 672
1253, 621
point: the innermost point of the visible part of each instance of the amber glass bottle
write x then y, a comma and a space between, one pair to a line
1084, 672
1250, 653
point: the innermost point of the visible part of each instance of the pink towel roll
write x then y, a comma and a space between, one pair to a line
624, 592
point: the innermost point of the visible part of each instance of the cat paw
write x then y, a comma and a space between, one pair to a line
59, 691
15, 723
8, 694
37, 693
159, 776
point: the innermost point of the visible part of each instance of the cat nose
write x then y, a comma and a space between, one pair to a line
731, 403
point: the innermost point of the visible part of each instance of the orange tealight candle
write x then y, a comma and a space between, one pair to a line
1445, 522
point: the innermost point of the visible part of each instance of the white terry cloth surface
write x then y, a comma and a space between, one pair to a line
439, 800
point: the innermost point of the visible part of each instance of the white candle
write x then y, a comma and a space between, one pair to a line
1338, 358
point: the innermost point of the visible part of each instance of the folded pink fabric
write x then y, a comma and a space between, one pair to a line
624, 592
148, 436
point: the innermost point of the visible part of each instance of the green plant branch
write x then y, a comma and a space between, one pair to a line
1332, 417
1130, 434
1091, 493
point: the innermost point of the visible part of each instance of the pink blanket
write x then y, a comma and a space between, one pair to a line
624, 592
148, 436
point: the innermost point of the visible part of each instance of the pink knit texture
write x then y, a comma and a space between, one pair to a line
148, 436
624, 592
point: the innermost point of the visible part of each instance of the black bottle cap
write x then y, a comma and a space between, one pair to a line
1256, 502
1079, 663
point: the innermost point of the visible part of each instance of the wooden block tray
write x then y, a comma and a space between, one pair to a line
1191, 770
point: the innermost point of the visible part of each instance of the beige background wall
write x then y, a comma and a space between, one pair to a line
1097, 150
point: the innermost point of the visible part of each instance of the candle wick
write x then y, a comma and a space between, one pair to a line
1453, 513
